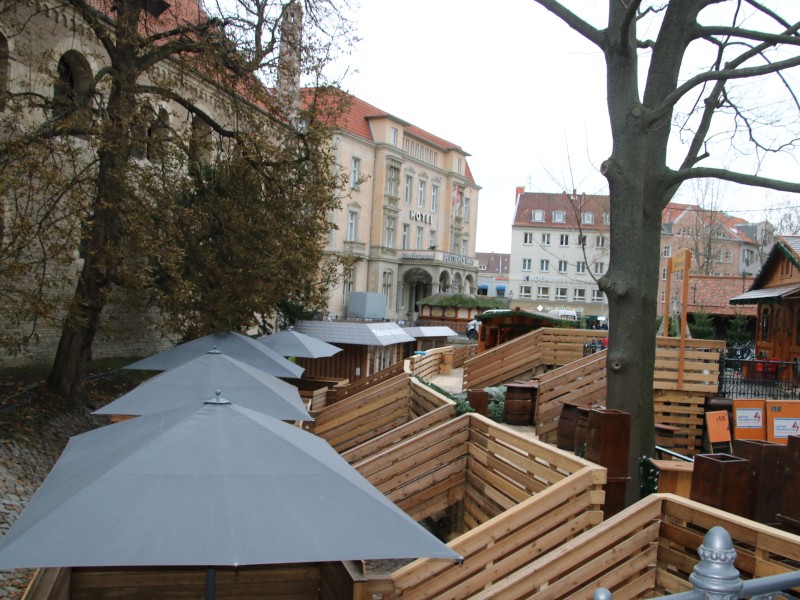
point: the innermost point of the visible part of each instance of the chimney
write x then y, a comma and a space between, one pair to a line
290, 56
520, 190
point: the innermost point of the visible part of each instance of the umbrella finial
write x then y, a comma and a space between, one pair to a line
217, 399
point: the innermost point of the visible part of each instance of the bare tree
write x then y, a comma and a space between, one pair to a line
112, 176
660, 101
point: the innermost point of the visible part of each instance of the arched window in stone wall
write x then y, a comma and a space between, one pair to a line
73, 89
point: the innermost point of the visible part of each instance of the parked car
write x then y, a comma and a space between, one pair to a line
472, 326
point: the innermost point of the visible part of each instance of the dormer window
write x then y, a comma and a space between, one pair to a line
537, 216
587, 218
559, 216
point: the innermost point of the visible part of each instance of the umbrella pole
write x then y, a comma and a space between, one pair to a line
211, 583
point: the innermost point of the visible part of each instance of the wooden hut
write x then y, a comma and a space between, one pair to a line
776, 292
367, 347
499, 326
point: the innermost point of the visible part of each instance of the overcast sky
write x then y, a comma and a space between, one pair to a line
521, 93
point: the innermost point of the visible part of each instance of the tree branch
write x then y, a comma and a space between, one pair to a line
591, 33
677, 177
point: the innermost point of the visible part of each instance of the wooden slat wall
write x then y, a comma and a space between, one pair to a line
619, 554
427, 366
505, 361
428, 409
424, 474
342, 365
343, 392
503, 545
300, 581
582, 382
700, 365
462, 354
365, 415
505, 470
562, 346
760, 550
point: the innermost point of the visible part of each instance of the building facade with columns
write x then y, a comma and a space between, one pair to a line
409, 215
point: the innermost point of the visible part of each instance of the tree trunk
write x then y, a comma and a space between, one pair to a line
103, 250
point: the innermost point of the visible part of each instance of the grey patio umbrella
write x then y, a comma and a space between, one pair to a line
233, 344
201, 378
209, 486
294, 343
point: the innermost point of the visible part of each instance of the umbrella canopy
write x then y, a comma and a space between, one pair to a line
191, 383
233, 344
209, 486
294, 343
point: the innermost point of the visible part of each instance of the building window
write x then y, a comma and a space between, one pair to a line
543, 293
579, 295
524, 291
545, 239
599, 268
421, 195
581, 241
407, 190
387, 286
355, 172
561, 293
390, 225
580, 267
420, 233
667, 251
597, 296
718, 256
587, 218
352, 226
537, 216
348, 284
466, 210
434, 198
544, 265
606, 219
600, 241
728, 256
406, 233
393, 182
764, 325
433, 239
664, 274
562, 266
458, 165
563, 239
527, 238
393, 136
73, 88
559, 216
663, 296
526, 264
464, 247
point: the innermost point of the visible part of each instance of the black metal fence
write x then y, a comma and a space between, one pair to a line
758, 378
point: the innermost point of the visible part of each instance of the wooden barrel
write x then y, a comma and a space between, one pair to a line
518, 405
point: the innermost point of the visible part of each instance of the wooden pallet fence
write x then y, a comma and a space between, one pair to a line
581, 382
502, 545
343, 392
700, 365
462, 354
684, 411
563, 346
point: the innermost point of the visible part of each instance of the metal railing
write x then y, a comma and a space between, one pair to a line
759, 378
715, 577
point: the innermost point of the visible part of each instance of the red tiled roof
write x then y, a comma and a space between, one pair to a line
712, 294
528, 202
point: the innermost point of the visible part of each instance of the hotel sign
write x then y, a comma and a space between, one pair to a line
442, 256
415, 215
457, 258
